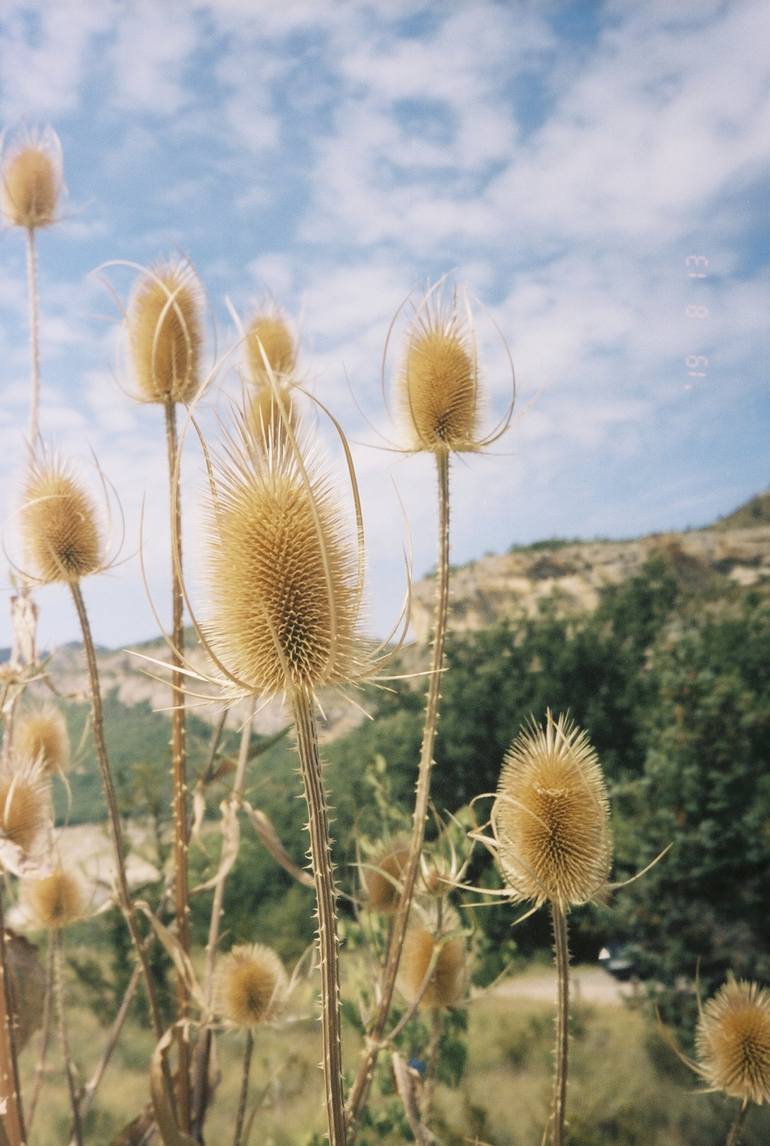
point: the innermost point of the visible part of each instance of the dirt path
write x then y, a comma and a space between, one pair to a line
589, 984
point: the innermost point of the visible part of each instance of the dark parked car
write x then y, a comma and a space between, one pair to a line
619, 960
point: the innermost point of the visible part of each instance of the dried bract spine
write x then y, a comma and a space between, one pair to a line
382, 874
446, 984
59, 526
733, 1041
269, 410
55, 901
251, 986
439, 384
32, 181
41, 734
268, 337
551, 816
166, 334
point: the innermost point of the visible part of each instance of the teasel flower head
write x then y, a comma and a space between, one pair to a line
733, 1041
381, 876
251, 986
41, 734
551, 817
446, 953
56, 900
59, 525
32, 180
270, 347
269, 410
284, 578
165, 333
25, 817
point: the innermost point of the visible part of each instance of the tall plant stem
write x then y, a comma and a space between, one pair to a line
326, 937
10, 1086
179, 754
244, 1095
46, 1033
734, 1137
34, 341
561, 1064
116, 830
203, 1049
58, 976
362, 1082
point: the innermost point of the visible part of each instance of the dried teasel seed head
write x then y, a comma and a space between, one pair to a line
32, 181
446, 985
25, 809
251, 986
733, 1041
55, 901
166, 334
283, 579
268, 410
269, 337
41, 734
439, 384
381, 876
551, 816
59, 525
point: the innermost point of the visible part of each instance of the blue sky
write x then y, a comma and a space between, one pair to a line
562, 160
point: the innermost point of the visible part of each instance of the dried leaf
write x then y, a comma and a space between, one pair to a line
170, 1133
406, 1085
231, 840
178, 955
269, 836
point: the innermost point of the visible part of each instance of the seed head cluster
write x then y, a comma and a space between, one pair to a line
41, 734
251, 985
59, 525
166, 335
55, 901
551, 816
382, 875
446, 984
733, 1041
269, 337
283, 580
439, 384
31, 183
24, 809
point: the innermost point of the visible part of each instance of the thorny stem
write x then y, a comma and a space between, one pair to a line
178, 756
360, 1088
45, 1036
559, 1104
116, 831
326, 936
203, 1049
733, 1138
34, 344
244, 1095
10, 1086
77, 1129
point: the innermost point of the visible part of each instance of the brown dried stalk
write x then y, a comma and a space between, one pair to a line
45, 1036
72, 1089
10, 1086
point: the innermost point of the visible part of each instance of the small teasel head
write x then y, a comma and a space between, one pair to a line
448, 955
381, 876
165, 333
32, 180
268, 337
25, 814
284, 580
251, 986
551, 816
732, 1041
59, 526
41, 734
56, 900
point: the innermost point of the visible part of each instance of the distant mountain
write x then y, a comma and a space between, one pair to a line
755, 511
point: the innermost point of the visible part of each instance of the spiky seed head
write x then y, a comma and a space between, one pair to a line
251, 985
25, 808
733, 1041
269, 337
55, 901
166, 334
282, 577
59, 525
439, 385
446, 984
32, 181
268, 410
382, 876
41, 734
551, 816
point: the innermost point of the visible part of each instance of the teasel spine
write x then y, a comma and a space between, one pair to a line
323, 876
359, 1091
34, 339
561, 948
